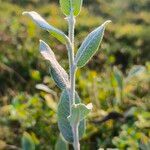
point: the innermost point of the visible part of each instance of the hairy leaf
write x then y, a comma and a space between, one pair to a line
44, 25
67, 5
27, 142
45, 88
79, 112
90, 45
61, 144
63, 113
57, 72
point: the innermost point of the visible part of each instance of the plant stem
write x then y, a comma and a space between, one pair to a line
76, 143
71, 22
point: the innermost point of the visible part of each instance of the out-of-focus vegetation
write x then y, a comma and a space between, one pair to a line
121, 96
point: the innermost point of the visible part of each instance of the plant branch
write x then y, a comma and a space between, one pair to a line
76, 143
71, 23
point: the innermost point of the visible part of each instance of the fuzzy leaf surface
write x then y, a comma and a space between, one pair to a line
57, 72
46, 26
63, 113
61, 144
90, 45
79, 112
66, 6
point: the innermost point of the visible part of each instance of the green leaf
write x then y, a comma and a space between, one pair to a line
119, 77
79, 112
77, 4
44, 25
61, 144
63, 113
45, 88
67, 5
135, 71
90, 45
57, 72
27, 142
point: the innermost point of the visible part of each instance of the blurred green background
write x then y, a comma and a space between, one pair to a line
116, 80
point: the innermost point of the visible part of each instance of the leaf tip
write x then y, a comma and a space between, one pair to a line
41, 41
44, 49
43, 46
90, 106
24, 13
107, 22
28, 12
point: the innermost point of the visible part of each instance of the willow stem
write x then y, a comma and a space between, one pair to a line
71, 23
76, 143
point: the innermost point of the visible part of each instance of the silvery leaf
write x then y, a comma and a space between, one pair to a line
58, 73
79, 112
46, 26
90, 45
61, 144
63, 113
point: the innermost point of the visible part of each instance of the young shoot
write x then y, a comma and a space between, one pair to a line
71, 111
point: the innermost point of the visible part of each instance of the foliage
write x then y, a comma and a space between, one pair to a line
61, 144
126, 46
63, 113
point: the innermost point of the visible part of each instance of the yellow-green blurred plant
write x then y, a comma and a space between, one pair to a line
124, 84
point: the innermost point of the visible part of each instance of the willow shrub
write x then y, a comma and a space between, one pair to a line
71, 111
